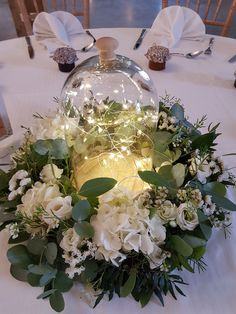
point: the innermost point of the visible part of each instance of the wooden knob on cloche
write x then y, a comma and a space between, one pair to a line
106, 47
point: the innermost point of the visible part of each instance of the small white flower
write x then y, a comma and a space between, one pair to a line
17, 184
50, 173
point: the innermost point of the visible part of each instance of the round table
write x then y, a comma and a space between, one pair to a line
204, 85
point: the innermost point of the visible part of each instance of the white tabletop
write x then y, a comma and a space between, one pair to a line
205, 86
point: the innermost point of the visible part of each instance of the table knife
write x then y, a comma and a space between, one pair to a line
140, 39
30, 47
233, 59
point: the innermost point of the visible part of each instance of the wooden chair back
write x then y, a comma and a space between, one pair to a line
209, 10
25, 11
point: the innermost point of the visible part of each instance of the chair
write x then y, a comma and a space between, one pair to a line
209, 10
25, 11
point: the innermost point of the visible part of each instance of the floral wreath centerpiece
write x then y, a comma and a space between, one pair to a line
110, 192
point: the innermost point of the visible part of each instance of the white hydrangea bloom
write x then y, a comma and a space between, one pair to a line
122, 224
17, 183
57, 126
50, 173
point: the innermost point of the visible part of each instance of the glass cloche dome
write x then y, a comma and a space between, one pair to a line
116, 103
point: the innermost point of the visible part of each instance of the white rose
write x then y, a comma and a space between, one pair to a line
167, 211
57, 209
156, 258
157, 230
187, 217
50, 173
71, 240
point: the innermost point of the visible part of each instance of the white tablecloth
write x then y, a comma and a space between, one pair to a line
205, 86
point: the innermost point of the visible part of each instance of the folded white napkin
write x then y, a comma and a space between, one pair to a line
174, 23
56, 29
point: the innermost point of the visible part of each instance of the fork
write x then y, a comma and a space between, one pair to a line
88, 47
208, 51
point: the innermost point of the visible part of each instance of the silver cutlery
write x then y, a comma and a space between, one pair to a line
30, 47
189, 55
89, 46
140, 39
208, 51
233, 59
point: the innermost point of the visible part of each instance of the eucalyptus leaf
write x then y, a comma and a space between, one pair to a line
47, 277
178, 112
46, 294
224, 203
178, 172
4, 180
33, 279
18, 272
81, 210
181, 246
84, 229
201, 216
57, 301
39, 269
198, 252
215, 188
36, 245
18, 255
22, 236
153, 178
62, 282
193, 241
57, 148
4, 217
96, 187
51, 252
129, 284
206, 229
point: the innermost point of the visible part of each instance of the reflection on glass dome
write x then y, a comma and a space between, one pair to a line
115, 102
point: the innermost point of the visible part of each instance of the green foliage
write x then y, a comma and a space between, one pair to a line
84, 229
51, 252
180, 246
62, 282
81, 210
18, 272
128, 287
18, 255
96, 187
56, 149
57, 301
36, 245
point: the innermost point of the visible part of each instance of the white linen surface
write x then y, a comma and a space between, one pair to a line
174, 23
57, 29
205, 86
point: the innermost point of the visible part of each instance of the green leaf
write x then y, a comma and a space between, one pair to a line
129, 284
224, 203
39, 269
206, 229
84, 229
18, 272
180, 246
4, 180
201, 216
51, 252
204, 141
57, 301
18, 255
185, 263
22, 236
154, 178
36, 246
4, 216
146, 296
91, 268
198, 252
57, 148
47, 277
46, 294
193, 241
81, 210
62, 282
33, 279
178, 172
215, 188
96, 187
177, 111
